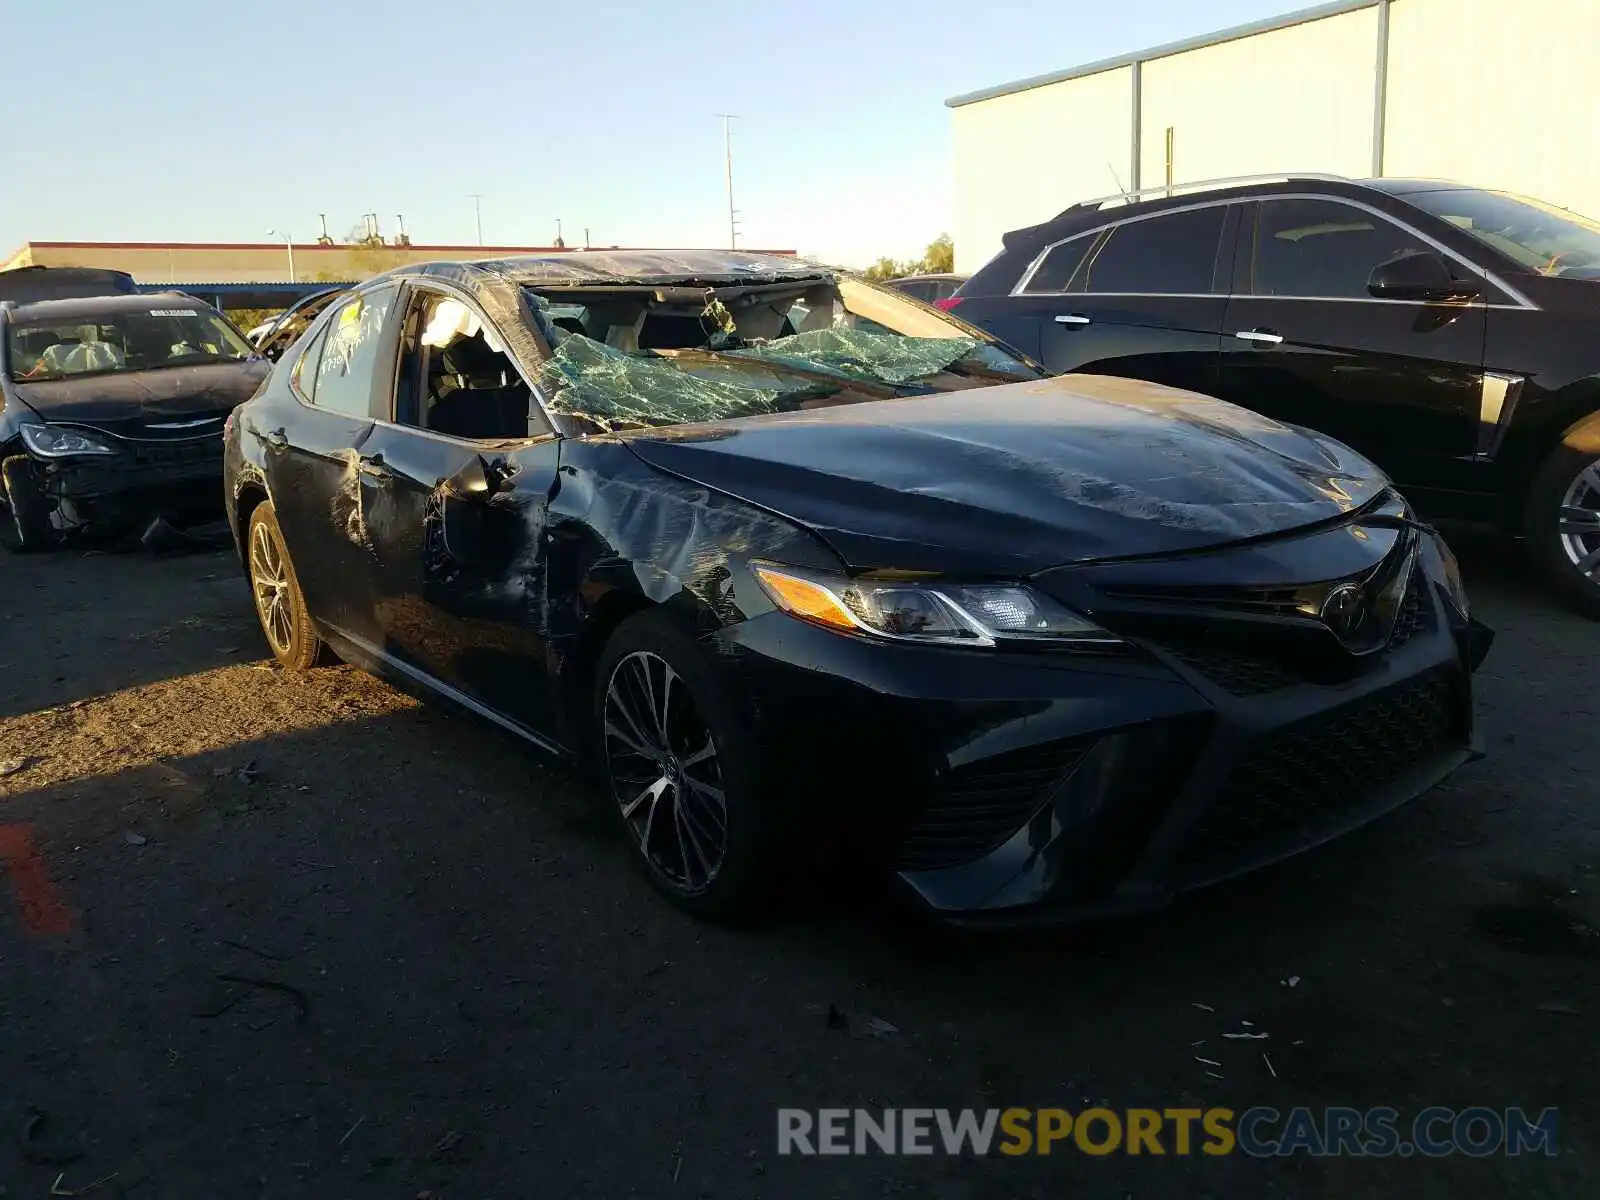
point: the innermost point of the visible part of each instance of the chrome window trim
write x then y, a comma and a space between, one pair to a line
1253, 296
1522, 302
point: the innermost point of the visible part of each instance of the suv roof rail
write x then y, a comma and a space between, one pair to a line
1202, 184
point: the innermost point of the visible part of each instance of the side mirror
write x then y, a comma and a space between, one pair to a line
1419, 275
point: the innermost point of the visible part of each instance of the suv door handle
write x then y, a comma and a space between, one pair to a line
1077, 320
374, 468
1263, 336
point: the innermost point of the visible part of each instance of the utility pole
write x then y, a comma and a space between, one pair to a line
727, 154
477, 212
289, 245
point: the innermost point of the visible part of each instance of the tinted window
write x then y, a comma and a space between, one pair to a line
1322, 248
1543, 238
305, 367
1176, 253
344, 373
1055, 272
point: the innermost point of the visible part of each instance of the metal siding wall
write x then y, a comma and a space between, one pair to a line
1296, 99
1022, 158
1499, 93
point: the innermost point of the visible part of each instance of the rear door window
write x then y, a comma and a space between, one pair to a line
1175, 254
350, 353
1060, 263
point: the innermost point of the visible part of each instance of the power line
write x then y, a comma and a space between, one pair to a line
727, 153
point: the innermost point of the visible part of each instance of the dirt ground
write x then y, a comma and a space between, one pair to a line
275, 936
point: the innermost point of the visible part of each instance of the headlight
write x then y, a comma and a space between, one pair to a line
947, 613
1441, 566
56, 441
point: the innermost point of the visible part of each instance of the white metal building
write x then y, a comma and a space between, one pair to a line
1499, 93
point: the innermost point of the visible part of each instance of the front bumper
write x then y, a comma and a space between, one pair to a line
179, 480
1008, 789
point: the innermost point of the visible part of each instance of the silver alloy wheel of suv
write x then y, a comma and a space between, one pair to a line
1579, 521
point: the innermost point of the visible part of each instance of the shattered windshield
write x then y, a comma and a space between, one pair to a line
127, 340
627, 356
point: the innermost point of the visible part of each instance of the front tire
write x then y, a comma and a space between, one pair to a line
28, 509
1563, 525
280, 605
680, 771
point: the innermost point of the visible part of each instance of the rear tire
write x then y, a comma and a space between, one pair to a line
1562, 524
280, 605
681, 773
27, 517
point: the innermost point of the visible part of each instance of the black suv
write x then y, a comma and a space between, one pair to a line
1447, 331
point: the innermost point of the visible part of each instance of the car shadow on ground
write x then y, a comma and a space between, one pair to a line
397, 921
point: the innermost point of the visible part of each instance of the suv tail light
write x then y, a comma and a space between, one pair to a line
948, 302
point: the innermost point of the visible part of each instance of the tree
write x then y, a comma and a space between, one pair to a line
940, 257
884, 268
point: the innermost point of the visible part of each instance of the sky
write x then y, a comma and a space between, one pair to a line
217, 122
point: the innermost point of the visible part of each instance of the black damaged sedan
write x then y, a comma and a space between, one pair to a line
816, 574
111, 412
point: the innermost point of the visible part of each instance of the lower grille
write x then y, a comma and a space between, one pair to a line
977, 808
1329, 764
189, 452
1241, 674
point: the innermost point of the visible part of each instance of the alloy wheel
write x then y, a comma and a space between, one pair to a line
1579, 519
269, 580
665, 774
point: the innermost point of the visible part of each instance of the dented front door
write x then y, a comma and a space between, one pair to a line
461, 572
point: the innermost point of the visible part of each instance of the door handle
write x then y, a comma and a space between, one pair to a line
374, 468
277, 439
1264, 337
1076, 320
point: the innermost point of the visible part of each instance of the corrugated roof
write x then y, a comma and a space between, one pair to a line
259, 285
1233, 34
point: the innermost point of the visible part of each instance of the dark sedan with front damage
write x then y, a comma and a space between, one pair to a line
817, 576
111, 413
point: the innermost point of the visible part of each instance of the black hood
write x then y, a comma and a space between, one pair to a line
1011, 480
122, 396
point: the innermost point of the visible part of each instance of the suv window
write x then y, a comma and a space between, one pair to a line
1170, 254
1058, 267
1322, 248
344, 372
